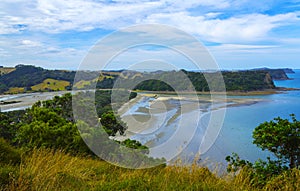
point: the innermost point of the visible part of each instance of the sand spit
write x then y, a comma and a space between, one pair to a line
160, 101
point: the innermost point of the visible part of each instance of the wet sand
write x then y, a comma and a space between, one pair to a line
143, 119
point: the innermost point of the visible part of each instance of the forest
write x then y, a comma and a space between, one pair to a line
26, 78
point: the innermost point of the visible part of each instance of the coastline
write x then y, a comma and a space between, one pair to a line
159, 99
278, 90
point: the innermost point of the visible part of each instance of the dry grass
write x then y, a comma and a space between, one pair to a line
49, 170
15, 90
6, 70
51, 84
83, 83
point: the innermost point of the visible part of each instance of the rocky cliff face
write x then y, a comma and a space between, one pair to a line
278, 74
288, 71
269, 81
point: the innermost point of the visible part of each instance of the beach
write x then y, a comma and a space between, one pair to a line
149, 113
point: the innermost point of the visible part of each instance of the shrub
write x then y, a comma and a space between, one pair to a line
8, 154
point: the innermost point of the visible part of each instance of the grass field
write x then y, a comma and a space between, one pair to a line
6, 70
51, 84
82, 83
15, 90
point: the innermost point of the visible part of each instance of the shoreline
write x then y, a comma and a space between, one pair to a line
133, 129
26, 100
278, 90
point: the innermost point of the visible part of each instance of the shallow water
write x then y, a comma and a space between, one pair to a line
235, 134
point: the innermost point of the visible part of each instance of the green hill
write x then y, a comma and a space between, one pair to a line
51, 84
30, 78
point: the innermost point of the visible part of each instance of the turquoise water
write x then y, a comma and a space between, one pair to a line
236, 132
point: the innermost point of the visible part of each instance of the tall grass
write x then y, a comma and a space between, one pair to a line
48, 170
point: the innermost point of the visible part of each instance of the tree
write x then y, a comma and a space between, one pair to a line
7, 127
282, 137
45, 128
112, 124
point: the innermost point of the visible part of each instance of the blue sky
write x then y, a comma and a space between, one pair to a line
238, 33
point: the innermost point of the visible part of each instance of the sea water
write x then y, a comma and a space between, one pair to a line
236, 132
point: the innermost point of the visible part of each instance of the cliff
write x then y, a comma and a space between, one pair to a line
277, 74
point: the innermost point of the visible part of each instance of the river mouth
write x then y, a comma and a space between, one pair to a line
154, 121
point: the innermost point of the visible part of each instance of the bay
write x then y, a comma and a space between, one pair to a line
236, 132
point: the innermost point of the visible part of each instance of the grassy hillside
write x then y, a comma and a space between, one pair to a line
6, 70
26, 76
15, 90
48, 170
88, 83
51, 84
35, 78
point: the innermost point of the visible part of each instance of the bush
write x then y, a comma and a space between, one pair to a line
8, 154
6, 173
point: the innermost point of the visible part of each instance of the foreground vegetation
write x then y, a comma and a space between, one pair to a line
44, 169
41, 149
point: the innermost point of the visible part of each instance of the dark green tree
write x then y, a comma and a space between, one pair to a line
46, 128
112, 124
7, 127
282, 137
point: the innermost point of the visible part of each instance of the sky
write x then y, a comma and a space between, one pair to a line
239, 34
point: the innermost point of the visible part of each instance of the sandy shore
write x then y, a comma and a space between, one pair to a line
161, 100
229, 93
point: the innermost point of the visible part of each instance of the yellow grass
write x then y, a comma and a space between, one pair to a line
82, 83
15, 90
51, 84
6, 70
49, 170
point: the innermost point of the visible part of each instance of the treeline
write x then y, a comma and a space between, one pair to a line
187, 81
28, 76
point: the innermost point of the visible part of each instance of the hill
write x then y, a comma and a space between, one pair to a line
277, 74
155, 81
6, 70
51, 85
26, 78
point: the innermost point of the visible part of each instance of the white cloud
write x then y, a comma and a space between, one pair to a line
56, 16
179, 5
243, 48
238, 25
212, 15
246, 28
30, 43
